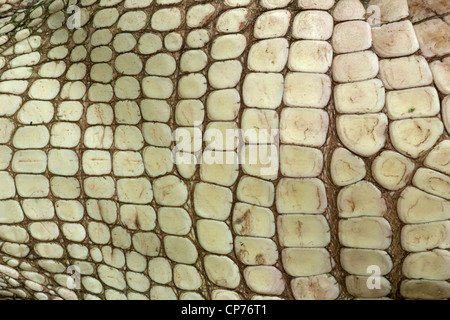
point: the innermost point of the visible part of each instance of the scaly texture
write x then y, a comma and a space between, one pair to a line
107, 134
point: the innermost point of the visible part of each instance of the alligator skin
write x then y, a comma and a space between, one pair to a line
93, 207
